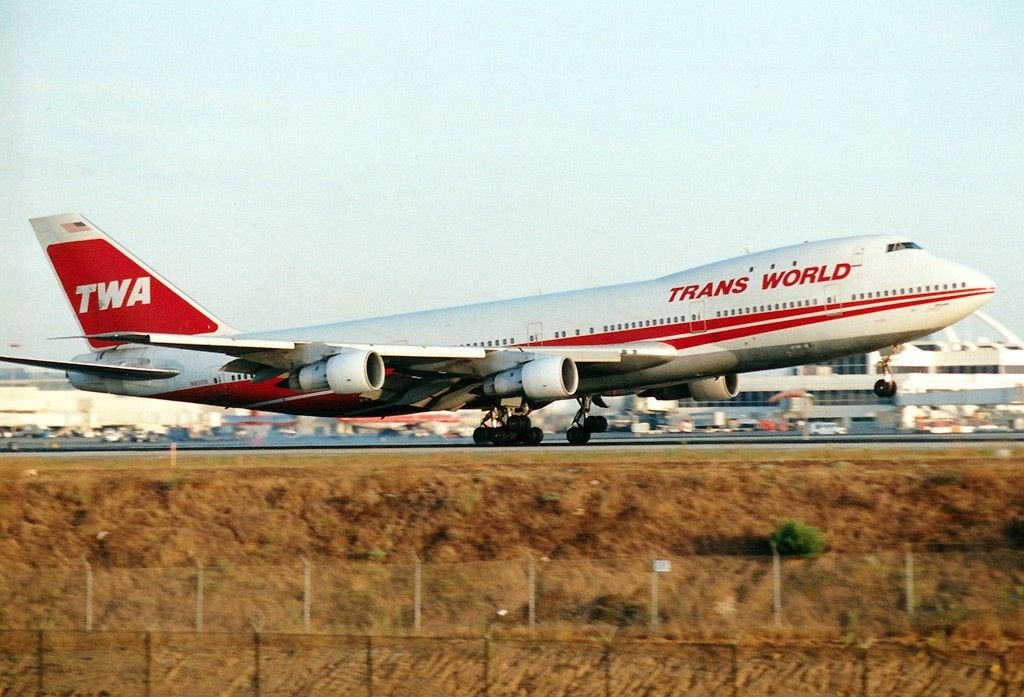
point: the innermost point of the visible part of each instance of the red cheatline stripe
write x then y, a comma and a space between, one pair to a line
739, 332
661, 331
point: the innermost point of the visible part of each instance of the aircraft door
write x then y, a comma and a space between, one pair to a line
535, 332
698, 322
858, 256
833, 301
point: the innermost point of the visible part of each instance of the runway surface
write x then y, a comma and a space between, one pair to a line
54, 446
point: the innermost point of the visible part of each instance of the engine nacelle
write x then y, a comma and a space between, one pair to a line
715, 389
707, 390
348, 372
548, 377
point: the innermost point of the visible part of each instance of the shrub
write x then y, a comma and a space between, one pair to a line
612, 609
1014, 531
944, 477
799, 539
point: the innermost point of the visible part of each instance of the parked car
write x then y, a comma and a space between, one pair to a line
826, 428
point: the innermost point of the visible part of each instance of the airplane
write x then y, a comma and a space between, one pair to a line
685, 335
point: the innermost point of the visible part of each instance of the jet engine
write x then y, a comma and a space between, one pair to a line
707, 390
715, 389
548, 377
349, 372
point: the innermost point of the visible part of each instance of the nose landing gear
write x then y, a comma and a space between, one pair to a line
502, 426
583, 424
886, 387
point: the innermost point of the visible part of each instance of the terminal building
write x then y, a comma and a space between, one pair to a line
45, 400
977, 363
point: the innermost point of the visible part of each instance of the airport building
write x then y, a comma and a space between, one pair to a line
946, 376
30, 399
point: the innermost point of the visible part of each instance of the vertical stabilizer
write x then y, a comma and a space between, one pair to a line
111, 290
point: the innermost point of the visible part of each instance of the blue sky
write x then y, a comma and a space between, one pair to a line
295, 164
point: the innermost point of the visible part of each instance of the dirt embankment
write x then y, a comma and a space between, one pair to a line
482, 505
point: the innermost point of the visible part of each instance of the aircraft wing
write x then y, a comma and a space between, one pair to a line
288, 355
270, 357
103, 370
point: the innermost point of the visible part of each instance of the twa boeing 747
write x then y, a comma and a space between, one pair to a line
688, 334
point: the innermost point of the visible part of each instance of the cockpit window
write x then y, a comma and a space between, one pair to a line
896, 246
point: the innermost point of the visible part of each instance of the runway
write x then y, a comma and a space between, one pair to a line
610, 441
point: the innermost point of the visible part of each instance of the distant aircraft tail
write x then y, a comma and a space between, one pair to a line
110, 290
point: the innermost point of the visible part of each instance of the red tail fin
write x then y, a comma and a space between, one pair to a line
110, 290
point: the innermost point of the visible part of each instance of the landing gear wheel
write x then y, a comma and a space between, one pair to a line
595, 424
577, 435
885, 388
500, 426
534, 436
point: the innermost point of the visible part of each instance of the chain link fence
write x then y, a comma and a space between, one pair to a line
185, 663
897, 593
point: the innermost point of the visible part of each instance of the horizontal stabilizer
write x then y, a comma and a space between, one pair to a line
103, 370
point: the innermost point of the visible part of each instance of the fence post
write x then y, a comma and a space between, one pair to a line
199, 595
307, 592
256, 646
865, 674
908, 566
40, 663
88, 595
776, 586
735, 668
417, 594
1004, 673
531, 589
147, 654
487, 664
369, 666
606, 662
653, 623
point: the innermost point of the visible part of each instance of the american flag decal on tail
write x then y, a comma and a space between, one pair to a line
77, 226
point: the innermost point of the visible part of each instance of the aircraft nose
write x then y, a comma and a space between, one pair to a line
980, 282
974, 280
981, 288
984, 281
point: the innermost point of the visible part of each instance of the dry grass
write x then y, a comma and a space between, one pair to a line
484, 505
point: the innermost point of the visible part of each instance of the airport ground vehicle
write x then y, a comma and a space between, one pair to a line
825, 428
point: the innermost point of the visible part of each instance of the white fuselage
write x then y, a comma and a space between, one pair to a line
778, 308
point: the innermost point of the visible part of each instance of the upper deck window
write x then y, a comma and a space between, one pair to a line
896, 246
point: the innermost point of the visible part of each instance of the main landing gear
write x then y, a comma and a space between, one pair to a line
502, 426
583, 424
886, 387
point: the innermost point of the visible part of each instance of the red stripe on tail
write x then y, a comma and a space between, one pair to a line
110, 292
